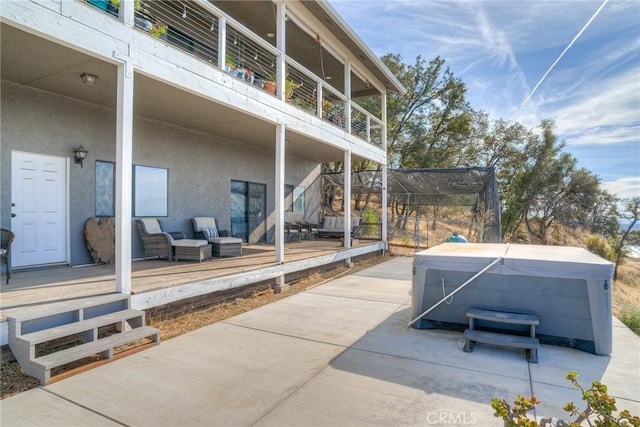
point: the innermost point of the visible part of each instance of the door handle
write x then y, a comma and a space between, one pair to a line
13, 215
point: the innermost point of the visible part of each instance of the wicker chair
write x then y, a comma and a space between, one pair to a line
201, 222
156, 242
5, 244
222, 244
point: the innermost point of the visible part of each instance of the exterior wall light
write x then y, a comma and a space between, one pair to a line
79, 154
88, 79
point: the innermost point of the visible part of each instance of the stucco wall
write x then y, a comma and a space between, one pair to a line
201, 166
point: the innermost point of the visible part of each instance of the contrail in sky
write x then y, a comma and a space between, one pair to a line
560, 57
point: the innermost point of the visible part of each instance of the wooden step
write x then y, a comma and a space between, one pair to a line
503, 316
66, 312
83, 326
104, 347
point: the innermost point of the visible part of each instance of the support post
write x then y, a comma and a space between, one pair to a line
385, 196
124, 156
127, 12
222, 43
281, 45
347, 93
281, 286
347, 202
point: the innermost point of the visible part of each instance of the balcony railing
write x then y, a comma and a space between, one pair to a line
195, 27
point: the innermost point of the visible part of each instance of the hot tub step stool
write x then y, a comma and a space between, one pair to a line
531, 344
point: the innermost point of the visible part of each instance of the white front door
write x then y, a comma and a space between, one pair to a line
38, 209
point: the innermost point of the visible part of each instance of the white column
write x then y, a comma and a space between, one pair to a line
281, 43
281, 286
127, 12
319, 96
384, 171
384, 206
347, 199
124, 148
222, 42
347, 93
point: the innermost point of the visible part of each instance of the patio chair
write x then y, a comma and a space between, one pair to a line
156, 242
5, 246
206, 227
222, 244
292, 231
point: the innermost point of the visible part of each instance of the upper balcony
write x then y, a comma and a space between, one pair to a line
240, 38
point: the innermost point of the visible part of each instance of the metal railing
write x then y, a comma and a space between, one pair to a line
195, 27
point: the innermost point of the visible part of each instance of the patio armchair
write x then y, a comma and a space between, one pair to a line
292, 231
222, 244
205, 227
5, 246
156, 242
311, 229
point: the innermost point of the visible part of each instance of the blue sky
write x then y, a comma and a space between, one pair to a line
501, 50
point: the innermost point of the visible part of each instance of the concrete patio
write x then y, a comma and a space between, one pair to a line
339, 354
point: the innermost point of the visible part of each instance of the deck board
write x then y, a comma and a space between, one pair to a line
37, 287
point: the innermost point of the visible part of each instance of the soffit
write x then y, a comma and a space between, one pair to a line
38, 63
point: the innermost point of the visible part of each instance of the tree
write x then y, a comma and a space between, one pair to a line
529, 174
630, 212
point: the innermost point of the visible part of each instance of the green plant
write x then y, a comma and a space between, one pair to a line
228, 59
158, 30
137, 5
630, 316
369, 224
289, 87
599, 412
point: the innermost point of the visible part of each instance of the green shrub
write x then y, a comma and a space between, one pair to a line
600, 409
630, 316
600, 246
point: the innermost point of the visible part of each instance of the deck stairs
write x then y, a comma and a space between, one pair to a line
76, 332
504, 338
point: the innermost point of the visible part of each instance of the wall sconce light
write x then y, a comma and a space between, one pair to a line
88, 79
79, 154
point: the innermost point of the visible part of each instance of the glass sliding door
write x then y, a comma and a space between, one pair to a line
248, 211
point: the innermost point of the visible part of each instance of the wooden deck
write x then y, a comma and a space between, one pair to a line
35, 288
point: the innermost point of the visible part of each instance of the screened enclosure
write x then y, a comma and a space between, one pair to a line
425, 206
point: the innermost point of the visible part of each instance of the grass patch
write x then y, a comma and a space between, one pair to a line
630, 316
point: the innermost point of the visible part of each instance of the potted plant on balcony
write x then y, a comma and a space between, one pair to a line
230, 63
289, 87
155, 29
270, 84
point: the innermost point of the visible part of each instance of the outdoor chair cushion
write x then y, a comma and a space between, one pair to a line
152, 225
209, 232
189, 243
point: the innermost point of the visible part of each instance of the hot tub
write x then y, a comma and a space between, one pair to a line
568, 288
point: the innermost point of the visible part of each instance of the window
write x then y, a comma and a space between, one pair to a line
105, 188
294, 198
150, 187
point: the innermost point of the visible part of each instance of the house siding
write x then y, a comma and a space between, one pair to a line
201, 166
